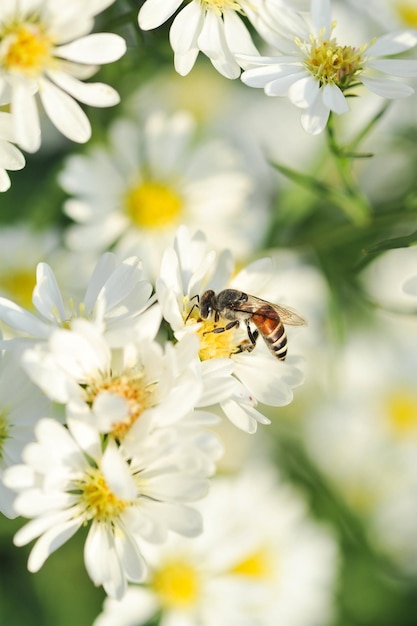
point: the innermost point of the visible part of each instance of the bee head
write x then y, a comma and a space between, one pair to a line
207, 303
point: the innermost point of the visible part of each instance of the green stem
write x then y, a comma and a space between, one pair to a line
353, 202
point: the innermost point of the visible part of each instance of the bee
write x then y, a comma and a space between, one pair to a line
237, 306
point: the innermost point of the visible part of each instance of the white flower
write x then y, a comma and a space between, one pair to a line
116, 295
10, 157
21, 406
67, 480
153, 178
364, 435
258, 555
318, 72
46, 50
233, 377
213, 27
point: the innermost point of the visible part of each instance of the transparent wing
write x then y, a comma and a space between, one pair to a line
287, 315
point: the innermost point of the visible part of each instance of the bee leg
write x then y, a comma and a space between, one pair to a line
248, 346
222, 329
253, 336
195, 306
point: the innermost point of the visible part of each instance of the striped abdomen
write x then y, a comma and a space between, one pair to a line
269, 324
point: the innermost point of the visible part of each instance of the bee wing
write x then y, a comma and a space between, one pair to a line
289, 316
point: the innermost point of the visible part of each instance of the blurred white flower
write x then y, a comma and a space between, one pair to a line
153, 178
67, 480
259, 553
115, 296
46, 50
21, 406
388, 13
317, 71
233, 377
363, 435
10, 157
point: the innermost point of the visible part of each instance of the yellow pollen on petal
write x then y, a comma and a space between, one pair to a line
331, 63
26, 49
407, 12
256, 565
220, 6
177, 584
153, 205
19, 285
100, 503
129, 386
402, 412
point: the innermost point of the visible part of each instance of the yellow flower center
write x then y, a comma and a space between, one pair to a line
256, 565
407, 12
177, 583
331, 63
26, 49
213, 344
19, 284
153, 205
402, 412
220, 6
129, 386
100, 503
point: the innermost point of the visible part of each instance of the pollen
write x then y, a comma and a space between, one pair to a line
215, 341
19, 284
154, 205
402, 412
26, 49
129, 386
331, 63
177, 583
256, 565
220, 6
100, 503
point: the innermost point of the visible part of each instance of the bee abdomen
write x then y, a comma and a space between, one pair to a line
277, 341
272, 329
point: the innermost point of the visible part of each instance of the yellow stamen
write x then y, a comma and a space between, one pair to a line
256, 565
220, 6
19, 284
177, 583
331, 63
129, 386
153, 205
402, 412
407, 12
101, 504
26, 49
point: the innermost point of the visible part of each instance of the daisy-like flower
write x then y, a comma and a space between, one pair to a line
213, 27
153, 178
116, 295
46, 50
258, 554
10, 157
235, 378
68, 479
317, 72
21, 406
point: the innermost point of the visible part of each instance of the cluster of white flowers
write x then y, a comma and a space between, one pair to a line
129, 445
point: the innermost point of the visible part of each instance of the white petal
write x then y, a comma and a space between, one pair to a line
171, 487
186, 28
393, 43
153, 13
272, 389
395, 67
387, 88
53, 539
321, 15
47, 296
304, 92
241, 416
94, 49
117, 473
314, 119
5, 182
333, 98
237, 35
65, 113
26, 119
18, 318
10, 157
93, 94
410, 286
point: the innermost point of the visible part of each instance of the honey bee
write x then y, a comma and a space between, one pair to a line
237, 306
